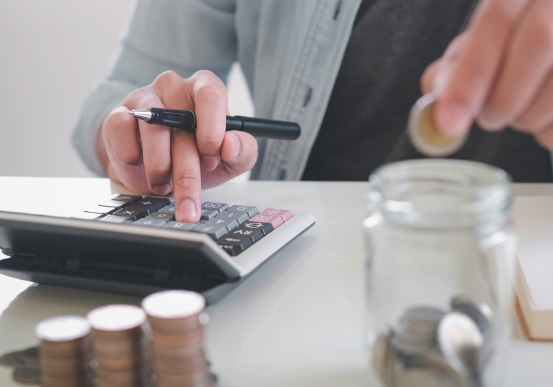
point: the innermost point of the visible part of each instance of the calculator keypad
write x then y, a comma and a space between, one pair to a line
162, 216
233, 227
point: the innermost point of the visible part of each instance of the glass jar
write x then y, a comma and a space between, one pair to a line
440, 258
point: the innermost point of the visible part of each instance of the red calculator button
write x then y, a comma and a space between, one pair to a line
274, 220
284, 214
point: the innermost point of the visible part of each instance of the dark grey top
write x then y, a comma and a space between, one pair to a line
391, 44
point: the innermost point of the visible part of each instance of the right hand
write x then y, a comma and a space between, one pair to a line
157, 159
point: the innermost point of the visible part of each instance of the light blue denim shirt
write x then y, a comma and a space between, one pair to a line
290, 52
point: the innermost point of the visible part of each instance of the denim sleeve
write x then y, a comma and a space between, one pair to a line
183, 36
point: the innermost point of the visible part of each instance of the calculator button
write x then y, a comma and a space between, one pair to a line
214, 206
264, 227
230, 224
253, 234
87, 216
116, 219
99, 210
284, 214
214, 231
149, 204
161, 216
150, 222
273, 220
232, 250
238, 243
208, 214
250, 210
240, 217
126, 198
114, 204
170, 209
180, 226
130, 213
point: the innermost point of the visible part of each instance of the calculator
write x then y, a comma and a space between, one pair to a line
133, 245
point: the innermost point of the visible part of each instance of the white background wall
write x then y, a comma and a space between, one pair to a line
50, 53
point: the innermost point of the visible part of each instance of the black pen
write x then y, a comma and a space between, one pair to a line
186, 119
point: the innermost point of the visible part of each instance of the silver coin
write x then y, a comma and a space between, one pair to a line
416, 332
406, 347
423, 377
380, 354
486, 353
479, 312
424, 314
436, 362
63, 328
397, 368
460, 340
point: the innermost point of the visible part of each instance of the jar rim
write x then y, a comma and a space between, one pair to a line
440, 192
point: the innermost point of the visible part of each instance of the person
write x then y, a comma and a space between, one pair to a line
346, 70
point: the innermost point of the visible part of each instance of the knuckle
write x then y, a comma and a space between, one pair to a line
157, 169
212, 94
130, 157
210, 141
503, 12
541, 34
478, 71
252, 147
117, 119
185, 180
167, 79
204, 74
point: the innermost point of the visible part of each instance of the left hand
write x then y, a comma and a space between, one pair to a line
498, 72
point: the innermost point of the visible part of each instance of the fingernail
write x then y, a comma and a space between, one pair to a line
237, 146
453, 118
187, 211
210, 162
161, 189
490, 119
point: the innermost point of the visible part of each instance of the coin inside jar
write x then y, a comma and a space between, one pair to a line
425, 136
459, 340
480, 312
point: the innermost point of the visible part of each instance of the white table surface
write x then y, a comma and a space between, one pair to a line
298, 321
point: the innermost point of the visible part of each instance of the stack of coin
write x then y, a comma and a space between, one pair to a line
429, 347
121, 346
65, 352
176, 318
416, 331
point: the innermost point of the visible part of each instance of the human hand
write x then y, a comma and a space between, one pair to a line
152, 158
499, 71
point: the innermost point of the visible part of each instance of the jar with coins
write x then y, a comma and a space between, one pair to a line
440, 259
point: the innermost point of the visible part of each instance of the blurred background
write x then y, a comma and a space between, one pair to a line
51, 53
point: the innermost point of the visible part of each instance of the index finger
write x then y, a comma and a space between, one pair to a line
474, 74
186, 176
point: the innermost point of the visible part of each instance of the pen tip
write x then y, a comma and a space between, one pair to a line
131, 113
